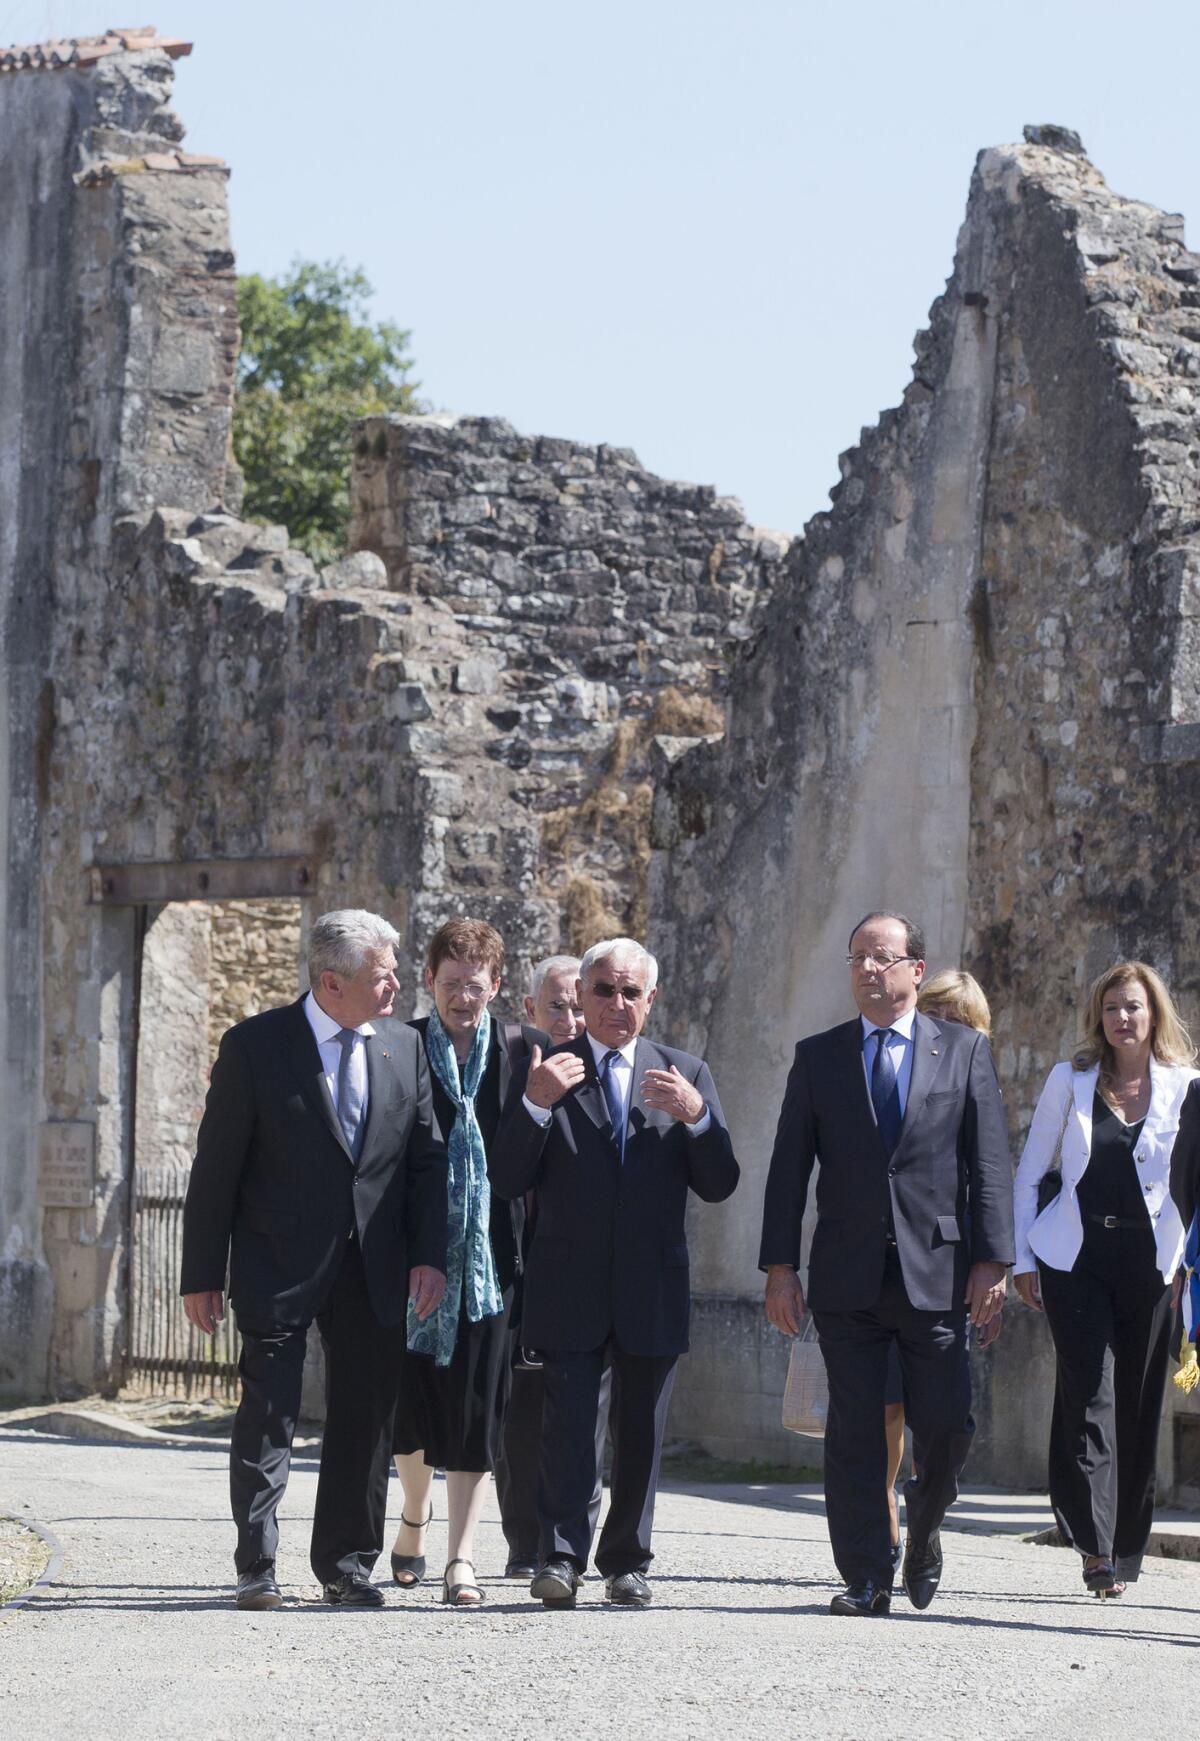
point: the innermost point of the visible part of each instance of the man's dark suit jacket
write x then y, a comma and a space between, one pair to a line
609, 1253
507, 1219
1185, 1156
947, 1189
274, 1179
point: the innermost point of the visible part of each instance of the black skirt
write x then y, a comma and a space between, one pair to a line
894, 1389
450, 1412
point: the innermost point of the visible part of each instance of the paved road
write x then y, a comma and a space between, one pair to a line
139, 1639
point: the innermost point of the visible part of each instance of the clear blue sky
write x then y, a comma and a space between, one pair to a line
704, 231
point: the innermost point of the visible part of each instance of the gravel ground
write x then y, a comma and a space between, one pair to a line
138, 1637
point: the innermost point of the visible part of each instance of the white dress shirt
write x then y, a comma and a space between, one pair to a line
325, 1032
899, 1043
622, 1075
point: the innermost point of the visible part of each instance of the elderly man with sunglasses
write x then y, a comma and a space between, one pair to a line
610, 1132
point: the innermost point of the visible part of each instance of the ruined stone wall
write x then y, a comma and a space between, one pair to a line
591, 603
1084, 769
970, 695
106, 393
152, 338
253, 963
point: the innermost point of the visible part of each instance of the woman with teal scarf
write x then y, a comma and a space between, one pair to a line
451, 1378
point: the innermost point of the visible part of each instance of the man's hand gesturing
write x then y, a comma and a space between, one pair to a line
670, 1091
550, 1078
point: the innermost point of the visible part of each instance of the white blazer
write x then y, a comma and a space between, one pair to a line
1056, 1235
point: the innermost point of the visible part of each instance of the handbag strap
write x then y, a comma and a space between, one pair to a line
1056, 1164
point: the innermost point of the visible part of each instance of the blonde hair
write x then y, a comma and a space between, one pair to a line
1170, 1041
954, 996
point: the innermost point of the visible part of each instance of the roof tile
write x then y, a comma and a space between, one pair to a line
85, 51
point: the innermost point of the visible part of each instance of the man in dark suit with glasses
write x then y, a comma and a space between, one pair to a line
610, 1133
914, 1235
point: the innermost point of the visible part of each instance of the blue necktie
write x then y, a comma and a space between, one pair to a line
616, 1106
885, 1092
349, 1097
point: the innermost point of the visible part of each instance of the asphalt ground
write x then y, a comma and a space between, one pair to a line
137, 1636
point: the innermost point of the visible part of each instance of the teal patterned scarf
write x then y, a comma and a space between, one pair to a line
470, 1268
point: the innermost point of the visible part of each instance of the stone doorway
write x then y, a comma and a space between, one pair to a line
202, 966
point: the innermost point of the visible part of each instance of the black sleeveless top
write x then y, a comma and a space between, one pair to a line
1110, 1185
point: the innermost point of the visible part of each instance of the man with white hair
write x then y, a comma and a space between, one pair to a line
610, 1133
320, 1180
552, 1003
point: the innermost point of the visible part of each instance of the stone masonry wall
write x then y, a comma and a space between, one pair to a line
254, 961
118, 332
593, 602
972, 692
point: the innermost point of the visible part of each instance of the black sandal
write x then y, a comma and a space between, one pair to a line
1101, 1579
454, 1593
409, 1569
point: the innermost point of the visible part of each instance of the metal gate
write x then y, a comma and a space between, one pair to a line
166, 1353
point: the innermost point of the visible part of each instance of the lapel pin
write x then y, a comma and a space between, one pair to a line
933, 1049
387, 1054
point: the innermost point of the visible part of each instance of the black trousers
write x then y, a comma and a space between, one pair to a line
1110, 1317
362, 1361
641, 1394
518, 1449
937, 1400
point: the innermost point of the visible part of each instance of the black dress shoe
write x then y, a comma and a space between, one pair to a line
922, 1570
555, 1584
519, 1567
353, 1590
256, 1588
897, 1555
629, 1588
865, 1599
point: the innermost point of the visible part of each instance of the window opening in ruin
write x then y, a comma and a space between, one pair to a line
203, 965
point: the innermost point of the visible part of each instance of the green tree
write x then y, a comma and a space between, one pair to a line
311, 362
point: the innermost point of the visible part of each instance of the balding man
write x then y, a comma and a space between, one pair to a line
551, 1005
610, 1132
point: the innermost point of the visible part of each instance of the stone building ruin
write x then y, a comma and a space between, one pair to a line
554, 690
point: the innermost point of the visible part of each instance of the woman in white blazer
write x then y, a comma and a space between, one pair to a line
1100, 1260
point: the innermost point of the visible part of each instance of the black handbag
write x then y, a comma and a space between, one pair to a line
1050, 1183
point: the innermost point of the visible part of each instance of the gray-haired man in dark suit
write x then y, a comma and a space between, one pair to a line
320, 1179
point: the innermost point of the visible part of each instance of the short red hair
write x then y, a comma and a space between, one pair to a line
466, 940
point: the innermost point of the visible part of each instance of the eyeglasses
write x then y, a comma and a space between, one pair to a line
882, 961
604, 989
472, 993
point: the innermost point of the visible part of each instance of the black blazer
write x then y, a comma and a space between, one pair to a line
609, 1252
507, 1224
1185, 1156
947, 1189
274, 1189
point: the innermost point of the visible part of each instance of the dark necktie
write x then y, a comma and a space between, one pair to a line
349, 1097
885, 1092
616, 1106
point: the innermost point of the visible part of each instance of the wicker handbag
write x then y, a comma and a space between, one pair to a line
806, 1393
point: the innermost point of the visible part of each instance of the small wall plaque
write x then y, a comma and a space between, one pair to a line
67, 1165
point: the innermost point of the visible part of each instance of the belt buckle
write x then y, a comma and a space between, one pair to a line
1110, 1221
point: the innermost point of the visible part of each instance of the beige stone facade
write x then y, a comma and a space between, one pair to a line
555, 691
